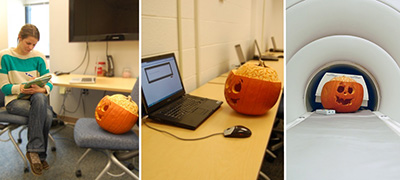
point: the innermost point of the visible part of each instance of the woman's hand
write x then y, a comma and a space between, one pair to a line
33, 89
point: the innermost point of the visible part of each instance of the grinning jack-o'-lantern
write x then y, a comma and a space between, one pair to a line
343, 94
117, 113
252, 89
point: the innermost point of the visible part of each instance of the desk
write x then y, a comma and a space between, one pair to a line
219, 80
117, 84
164, 157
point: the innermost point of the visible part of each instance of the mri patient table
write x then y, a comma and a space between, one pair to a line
361, 145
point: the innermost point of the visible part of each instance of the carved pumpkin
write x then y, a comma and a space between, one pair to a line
252, 89
343, 94
117, 113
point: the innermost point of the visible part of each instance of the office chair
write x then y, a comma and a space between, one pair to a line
276, 138
88, 134
10, 122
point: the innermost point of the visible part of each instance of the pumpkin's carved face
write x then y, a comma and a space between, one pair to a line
342, 94
345, 94
233, 89
252, 89
116, 114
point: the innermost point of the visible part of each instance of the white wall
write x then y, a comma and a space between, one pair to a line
4, 26
12, 18
275, 21
16, 19
202, 33
65, 56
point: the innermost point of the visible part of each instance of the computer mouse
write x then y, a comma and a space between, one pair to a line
57, 73
237, 131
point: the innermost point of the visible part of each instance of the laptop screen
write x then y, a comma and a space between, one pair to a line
258, 49
239, 52
160, 79
273, 42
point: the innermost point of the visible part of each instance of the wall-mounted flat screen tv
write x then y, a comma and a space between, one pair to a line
103, 20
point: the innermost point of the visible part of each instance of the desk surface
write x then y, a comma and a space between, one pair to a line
164, 157
117, 84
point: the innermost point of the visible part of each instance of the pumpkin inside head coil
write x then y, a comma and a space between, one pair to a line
117, 113
343, 94
252, 89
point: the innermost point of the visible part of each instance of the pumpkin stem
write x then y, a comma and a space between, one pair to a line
262, 63
129, 98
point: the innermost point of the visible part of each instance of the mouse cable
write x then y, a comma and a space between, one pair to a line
177, 137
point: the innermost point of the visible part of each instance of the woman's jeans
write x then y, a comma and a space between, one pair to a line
40, 117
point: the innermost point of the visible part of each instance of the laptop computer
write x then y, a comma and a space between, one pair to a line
264, 57
240, 55
274, 49
83, 80
164, 97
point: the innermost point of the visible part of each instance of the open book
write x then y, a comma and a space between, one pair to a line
40, 81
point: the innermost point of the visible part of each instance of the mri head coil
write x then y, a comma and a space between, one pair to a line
361, 33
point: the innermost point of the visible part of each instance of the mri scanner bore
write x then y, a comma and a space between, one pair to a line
354, 37
369, 99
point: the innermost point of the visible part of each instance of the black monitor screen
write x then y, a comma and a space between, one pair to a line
103, 20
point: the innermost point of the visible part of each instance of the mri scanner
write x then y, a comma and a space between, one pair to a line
360, 37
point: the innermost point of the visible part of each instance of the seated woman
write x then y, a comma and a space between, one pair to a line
19, 65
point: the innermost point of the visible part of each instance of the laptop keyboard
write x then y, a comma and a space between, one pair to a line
182, 107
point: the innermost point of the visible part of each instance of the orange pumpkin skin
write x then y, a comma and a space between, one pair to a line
252, 95
342, 94
116, 114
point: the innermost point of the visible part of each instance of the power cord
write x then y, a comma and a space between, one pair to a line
177, 137
64, 110
106, 48
84, 58
87, 64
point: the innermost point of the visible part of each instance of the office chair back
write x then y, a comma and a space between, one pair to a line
135, 92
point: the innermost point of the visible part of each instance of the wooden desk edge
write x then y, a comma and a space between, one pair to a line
61, 81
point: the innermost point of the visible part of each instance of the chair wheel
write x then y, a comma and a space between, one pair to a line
131, 166
19, 141
78, 173
53, 149
26, 170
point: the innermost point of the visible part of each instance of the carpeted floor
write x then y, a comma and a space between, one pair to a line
62, 161
274, 168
